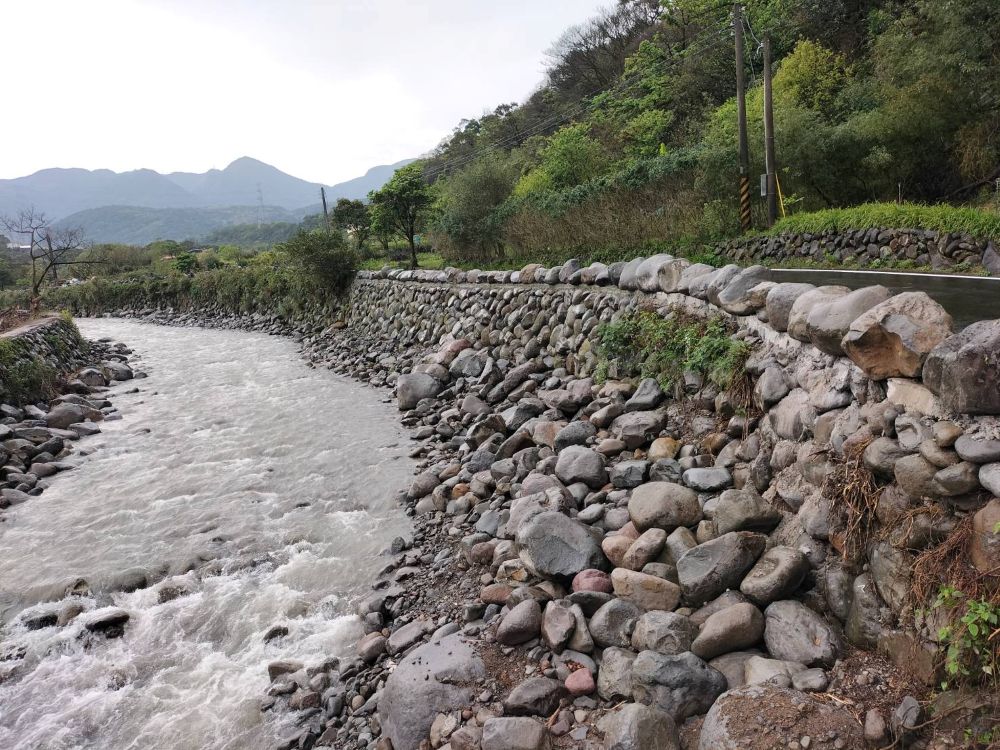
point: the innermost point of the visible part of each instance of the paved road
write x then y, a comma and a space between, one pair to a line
967, 298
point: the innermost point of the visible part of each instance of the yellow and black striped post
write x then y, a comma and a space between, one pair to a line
746, 222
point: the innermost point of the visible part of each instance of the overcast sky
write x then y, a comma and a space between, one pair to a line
322, 89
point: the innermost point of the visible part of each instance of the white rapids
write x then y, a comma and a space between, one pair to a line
261, 487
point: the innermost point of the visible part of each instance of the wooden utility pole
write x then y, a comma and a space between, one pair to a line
326, 215
741, 107
770, 166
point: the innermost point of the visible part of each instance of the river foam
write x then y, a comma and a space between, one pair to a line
261, 488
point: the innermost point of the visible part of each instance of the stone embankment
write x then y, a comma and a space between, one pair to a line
605, 564
37, 436
942, 251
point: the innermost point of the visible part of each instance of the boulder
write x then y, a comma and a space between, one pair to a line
681, 685
803, 305
637, 428
646, 397
634, 726
511, 733
793, 632
744, 510
413, 387
735, 297
613, 623
728, 725
710, 568
432, 679
558, 624
552, 545
780, 300
776, 575
521, 624
962, 369
536, 696
645, 591
985, 543
663, 505
670, 274
579, 464
647, 275
894, 338
614, 679
733, 628
829, 321
664, 632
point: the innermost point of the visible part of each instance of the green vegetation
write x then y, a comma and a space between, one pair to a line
973, 653
631, 143
643, 344
322, 256
252, 235
24, 378
400, 206
943, 218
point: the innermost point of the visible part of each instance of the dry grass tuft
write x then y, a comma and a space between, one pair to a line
852, 487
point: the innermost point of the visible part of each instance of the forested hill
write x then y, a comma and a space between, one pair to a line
632, 139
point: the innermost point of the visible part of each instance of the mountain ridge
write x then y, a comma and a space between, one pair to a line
142, 205
61, 192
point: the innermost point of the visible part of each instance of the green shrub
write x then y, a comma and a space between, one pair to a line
643, 344
941, 218
325, 255
973, 653
24, 378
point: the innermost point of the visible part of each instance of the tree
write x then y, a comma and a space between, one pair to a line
402, 203
48, 247
355, 219
322, 255
469, 223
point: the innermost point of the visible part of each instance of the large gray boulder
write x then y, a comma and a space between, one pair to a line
731, 629
663, 505
893, 338
579, 464
413, 387
776, 575
664, 632
710, 568
735, 297
727, 726
647, 275
803, 305
638, 727
513, 733
521, 624
61, 416
962, 370
670, 274
780, 300
614, 680
552, 545
828, 322
432, 679
793, 632
681, 685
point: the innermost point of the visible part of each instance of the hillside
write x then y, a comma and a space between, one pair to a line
631, 142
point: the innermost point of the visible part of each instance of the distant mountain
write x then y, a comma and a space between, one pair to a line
63, 192
138, 225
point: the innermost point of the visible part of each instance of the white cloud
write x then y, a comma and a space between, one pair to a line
322, 90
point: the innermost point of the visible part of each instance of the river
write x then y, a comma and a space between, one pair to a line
272, 480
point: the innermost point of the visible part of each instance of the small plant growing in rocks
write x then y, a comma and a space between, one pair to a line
646, 345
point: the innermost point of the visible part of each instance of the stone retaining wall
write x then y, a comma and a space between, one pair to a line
48, 347
939, 250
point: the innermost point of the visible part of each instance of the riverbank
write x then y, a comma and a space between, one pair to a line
522, 450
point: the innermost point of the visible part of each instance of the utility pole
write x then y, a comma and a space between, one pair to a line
769, 161
326, 215
741, 108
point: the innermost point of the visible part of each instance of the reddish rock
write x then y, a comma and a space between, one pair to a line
581, 682
592, 580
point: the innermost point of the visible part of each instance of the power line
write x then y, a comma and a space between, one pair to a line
708, 41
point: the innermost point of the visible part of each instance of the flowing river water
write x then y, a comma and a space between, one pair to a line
273, 481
